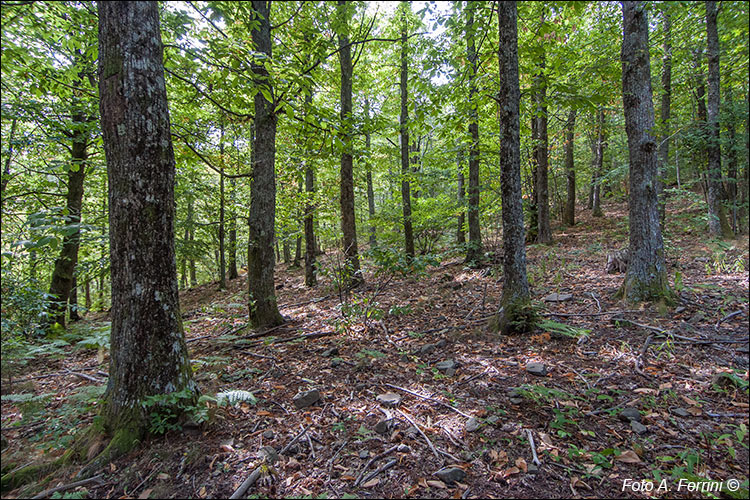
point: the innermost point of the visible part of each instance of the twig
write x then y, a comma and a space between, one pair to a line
437, 455
309, 442
380, 469
291, 339
247, 483
330, 465
84, 376
659, 331
429, 399
373, 460
641, 359
577, 373
313, 301
533, 447
605, 313
727, 317
597, 301
69, 486
727, 415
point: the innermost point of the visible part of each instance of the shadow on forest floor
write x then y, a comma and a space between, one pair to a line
424, 339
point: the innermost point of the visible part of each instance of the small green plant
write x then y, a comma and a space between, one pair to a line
167, 408
563, 329
369, 353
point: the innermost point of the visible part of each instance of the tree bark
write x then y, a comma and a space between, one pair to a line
732, 161
370, 191
404, 129
263, 310
348, 222
65, 265
515, 315
310, 246
544, 234
148, 354
646, 276
460, 234
222, 202
232, 232
601, 145
718, 225
666, 102
474, 247
569, 215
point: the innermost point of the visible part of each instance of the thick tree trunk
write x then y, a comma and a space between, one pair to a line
190, 235
718, 225
260, 263
6, 168
148, 354
666, 102
73, 302
569, 215
65, 265
348, 222
460, 234
646, 276
732, 162
515, 314
474, 247
310, 245
404, 128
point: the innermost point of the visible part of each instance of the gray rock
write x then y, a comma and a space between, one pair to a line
681, 412
558, 297
333, 351
450, 475
268, 434
426, 349
307, 398
268, 453
516, 401
412, 431
442, 342
680, 309
364, 454
697, 318
335, 362
472, 425
532, 469
403, 448
537, 369
723, 379
492, 420
629, 414
389, 399
446, 365
638, 427
383, 427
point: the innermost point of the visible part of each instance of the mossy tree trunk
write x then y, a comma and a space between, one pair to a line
515, 313
148, 351
646, 277
263, 310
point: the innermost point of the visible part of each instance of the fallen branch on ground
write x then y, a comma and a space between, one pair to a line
64, 487
429, 399
432, 447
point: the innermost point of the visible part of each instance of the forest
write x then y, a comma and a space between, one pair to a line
305, 249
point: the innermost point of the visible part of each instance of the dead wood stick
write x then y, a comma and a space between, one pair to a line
641, 359
255, 474
380, 469
727, 317
373, 460
309, 442
597, 301
432, 447
291, 339
727, 415
429, 399
305, 302
535, 458
605, 313
84, 376
579, 375
659, 331
69, 486
718, 341
330, 465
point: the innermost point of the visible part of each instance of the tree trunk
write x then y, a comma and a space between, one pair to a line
515, 315
601, 145
460, 235
65, 265
73, 302
222, 262
232, 233
404, 126
666, 102
263, 311
348, 222
732, 161
646, 276
148, 354
569, 215
544, 234
310, 246
6, 168
474, 247
370, 191
717, 217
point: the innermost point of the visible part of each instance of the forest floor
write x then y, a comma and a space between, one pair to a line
690, 391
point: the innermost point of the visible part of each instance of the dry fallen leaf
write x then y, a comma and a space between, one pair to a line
521, 464
145, 493
371, 483
511, 471
629, 457
436, 484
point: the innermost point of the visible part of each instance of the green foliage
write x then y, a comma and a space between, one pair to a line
388, 260
563, 329
166, 410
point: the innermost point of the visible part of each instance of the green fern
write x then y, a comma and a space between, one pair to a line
236, 396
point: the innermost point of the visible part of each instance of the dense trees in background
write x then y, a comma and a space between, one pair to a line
296, 121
